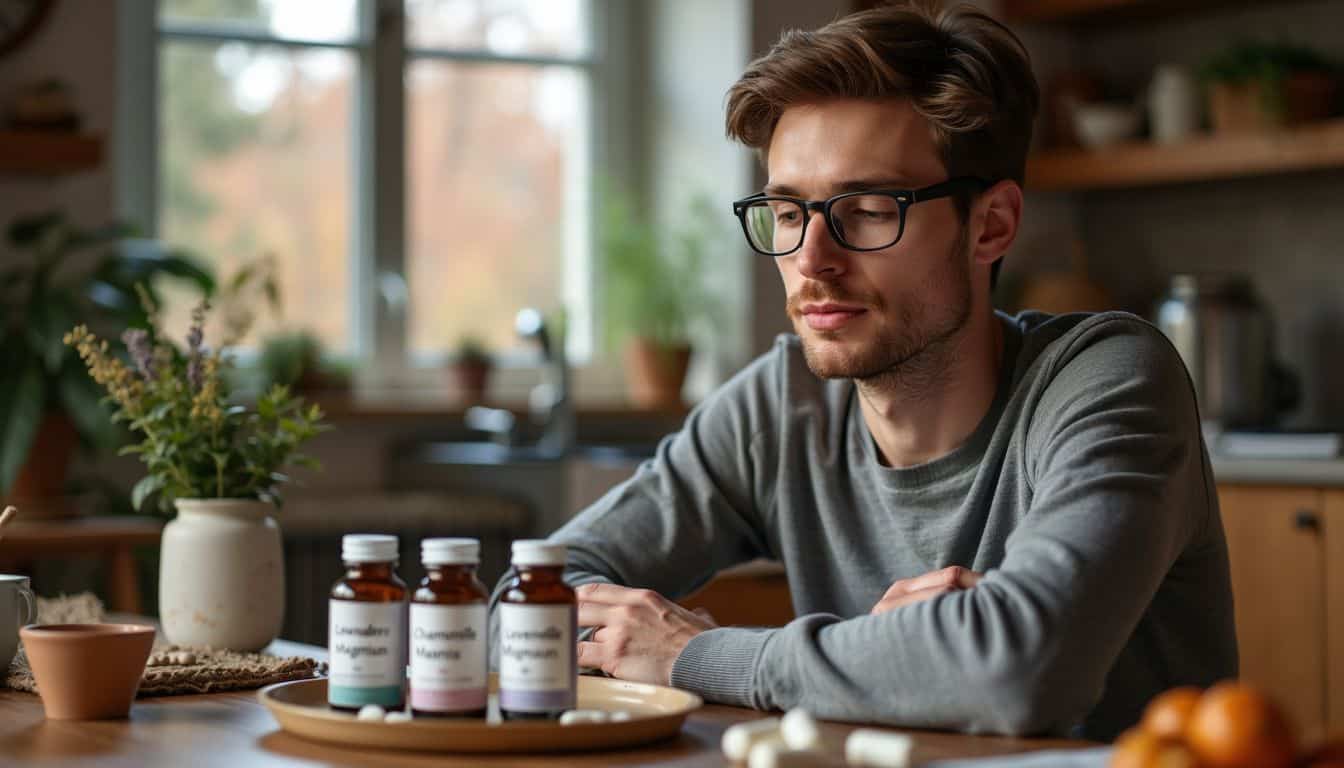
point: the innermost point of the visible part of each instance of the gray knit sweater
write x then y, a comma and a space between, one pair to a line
1085, 496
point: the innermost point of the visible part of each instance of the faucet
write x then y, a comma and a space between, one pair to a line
549, 402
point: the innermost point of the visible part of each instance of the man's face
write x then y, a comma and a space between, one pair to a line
864, 314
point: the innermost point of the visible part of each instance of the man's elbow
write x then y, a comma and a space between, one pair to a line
1031, 700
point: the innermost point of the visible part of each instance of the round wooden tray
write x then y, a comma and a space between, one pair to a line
657, 712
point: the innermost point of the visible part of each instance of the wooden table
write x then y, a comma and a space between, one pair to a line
113, 538
234, 729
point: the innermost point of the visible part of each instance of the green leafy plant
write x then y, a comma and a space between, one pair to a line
65, 275
1267, 63
655, 287
472, 350
193, 441
296, 360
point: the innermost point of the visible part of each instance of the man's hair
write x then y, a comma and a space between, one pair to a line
965, 73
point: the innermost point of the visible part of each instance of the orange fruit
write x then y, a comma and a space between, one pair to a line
1236, 726
1137, 748
1168, 713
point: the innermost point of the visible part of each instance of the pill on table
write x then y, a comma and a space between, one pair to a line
737, 740
799, 730
620, 716
878, 749
774, 753
397, 717
575, 716
370, 712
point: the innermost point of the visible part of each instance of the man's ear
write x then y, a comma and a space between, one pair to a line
996, 214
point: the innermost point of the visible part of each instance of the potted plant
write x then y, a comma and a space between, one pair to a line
1260, 86
219, 464
296, 360
47, 402
655, 295
471, 367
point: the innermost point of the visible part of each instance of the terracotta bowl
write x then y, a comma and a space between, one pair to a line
87, 671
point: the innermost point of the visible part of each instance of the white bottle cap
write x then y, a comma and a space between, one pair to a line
538, 552
450, 552
368, 548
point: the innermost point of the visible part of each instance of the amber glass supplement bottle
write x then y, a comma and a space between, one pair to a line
367, 627
537, 664
448, 631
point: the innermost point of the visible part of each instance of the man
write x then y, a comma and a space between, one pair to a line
989, 523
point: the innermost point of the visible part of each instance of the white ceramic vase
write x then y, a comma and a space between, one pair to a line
222, 575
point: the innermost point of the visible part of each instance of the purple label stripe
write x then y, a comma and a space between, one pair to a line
536, 701
447, 700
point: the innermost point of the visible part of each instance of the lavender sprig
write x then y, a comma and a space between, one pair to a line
142, 354
195, 351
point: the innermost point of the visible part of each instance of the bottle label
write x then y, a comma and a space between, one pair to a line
367, 644
448, 657
536, 657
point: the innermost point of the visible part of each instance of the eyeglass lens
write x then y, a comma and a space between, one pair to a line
861, 221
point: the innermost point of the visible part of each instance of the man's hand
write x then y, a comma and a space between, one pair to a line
640, 633
909, 591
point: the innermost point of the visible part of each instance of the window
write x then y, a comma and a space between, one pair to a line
273, 138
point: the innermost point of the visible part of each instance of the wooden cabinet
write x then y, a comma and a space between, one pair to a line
1282, 546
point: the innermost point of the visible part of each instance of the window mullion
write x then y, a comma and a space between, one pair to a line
382, 191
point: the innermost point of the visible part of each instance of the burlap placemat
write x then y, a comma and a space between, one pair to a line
172, 669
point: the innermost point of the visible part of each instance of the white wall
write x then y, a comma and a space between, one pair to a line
76, 45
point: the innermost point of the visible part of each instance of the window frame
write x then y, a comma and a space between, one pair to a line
378, 245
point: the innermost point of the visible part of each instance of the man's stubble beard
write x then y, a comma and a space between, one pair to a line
917, 349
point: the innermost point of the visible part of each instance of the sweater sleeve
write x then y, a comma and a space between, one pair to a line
1117, 478
687, 513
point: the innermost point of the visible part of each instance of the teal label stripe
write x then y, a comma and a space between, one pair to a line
351, 696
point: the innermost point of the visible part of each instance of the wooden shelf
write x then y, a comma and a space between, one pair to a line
41, 153
1309, 147
1093, 11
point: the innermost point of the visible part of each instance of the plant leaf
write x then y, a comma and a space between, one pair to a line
21, 410
82, 401
148, 484
29, 230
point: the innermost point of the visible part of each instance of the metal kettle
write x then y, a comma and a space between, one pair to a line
1225, 335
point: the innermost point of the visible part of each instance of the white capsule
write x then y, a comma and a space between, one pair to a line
397, 717
576, 716
799, 730
772, 752
878, 749
370, 712
620, 716
737, 740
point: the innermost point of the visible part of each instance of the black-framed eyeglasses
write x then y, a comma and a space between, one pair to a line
867, 220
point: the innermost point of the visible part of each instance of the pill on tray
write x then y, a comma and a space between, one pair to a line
370, 712
575, 716
799, 730
878, 749
397, 717
737, 740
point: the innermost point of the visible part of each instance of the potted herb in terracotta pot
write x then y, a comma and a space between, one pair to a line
655, 293
1256, 87
471, 366
219, 465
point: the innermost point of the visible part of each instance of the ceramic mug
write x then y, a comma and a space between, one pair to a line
18, 607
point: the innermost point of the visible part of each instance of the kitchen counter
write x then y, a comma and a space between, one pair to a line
1313, 472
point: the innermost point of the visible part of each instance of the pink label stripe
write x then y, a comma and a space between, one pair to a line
446, 700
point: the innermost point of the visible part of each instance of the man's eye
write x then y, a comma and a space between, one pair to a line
786, 217
871, 215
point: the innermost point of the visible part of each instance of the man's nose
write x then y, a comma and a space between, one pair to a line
820, 256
